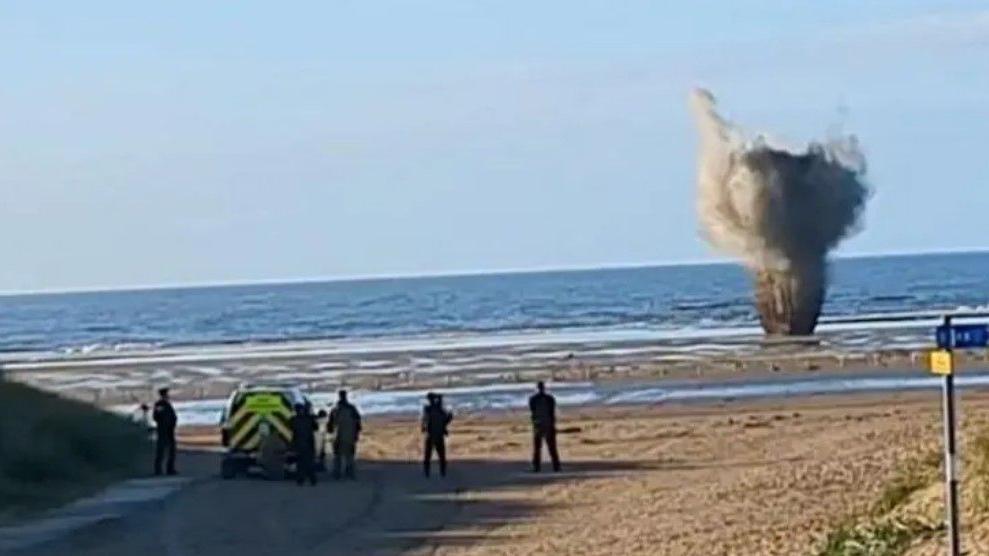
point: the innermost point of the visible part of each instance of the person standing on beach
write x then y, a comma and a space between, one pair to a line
345, 424
165, 422
304, 444
542, 407
435, 422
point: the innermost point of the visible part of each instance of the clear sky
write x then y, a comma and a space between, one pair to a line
193, 142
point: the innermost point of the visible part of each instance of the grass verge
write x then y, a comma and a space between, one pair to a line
881, 537
913, 475
53, 450
979, 469
878, 533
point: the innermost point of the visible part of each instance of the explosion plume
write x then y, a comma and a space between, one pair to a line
780, 211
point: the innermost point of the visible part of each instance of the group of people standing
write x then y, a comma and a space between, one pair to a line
344, 424
542, 410
435, 426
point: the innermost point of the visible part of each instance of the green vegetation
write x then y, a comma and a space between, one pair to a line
912, 476
879, 534
53, 449
883, 537
979, 461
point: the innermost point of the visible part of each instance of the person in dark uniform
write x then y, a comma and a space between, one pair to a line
304, 444
165, 422
435, 422
345, 424
542, 407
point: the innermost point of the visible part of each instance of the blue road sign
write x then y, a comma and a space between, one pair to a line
962, 336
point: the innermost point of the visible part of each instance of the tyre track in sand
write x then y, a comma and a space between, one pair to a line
405, 514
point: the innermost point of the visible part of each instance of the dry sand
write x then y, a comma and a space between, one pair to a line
740, 478
767, 479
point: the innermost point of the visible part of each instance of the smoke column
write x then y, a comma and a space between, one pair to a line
780, 211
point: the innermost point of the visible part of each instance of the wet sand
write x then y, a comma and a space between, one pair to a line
212, 373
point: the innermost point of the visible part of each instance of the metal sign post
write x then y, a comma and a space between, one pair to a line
949, 337
950, 465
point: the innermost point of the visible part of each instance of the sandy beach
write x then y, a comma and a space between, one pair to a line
769, 477
651, 464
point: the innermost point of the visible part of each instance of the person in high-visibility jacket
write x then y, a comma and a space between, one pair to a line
345, 424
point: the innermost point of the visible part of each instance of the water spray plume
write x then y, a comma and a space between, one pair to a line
779, 210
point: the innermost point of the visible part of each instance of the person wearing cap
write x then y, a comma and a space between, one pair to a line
345, 424
435, 422
165, 422
304, 444
542, 408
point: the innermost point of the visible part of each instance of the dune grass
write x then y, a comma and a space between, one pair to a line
53, 450
882, 537
911, 476
979, 450
878, 533
892, 525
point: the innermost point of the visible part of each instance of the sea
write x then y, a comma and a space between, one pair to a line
481, 339
661, 300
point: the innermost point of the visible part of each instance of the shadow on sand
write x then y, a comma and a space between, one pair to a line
390, 509
468, 505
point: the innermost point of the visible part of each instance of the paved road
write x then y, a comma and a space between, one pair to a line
390, 509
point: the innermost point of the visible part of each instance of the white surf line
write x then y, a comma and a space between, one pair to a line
227, 356
789, 389
469, 340
917, 318
362, 347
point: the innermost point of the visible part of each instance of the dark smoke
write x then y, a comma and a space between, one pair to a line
781, 211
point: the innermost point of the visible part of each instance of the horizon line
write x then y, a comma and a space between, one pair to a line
447, 274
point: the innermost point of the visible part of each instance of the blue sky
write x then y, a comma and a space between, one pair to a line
198, 142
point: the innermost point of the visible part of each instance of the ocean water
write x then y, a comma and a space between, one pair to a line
674, 299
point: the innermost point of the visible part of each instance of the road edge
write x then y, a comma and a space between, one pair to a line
114, 502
